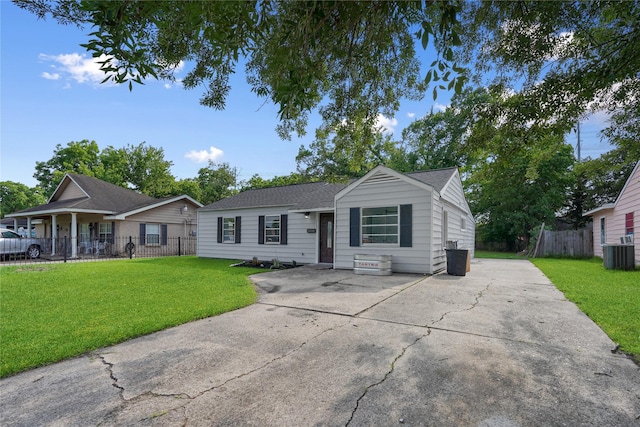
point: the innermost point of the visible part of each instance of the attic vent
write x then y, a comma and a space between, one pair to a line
380, 179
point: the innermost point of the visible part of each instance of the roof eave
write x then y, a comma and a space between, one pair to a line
236, 208
605, 207
156, 204
305, 210
57, 211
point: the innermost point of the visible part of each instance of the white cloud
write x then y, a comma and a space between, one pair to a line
411, 115
179, 67
76, 67
204, 156
170, 85
386, 125
49, 76
440, 107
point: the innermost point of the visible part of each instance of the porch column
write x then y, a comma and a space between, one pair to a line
74, 235
29, 226
15, 224
54, 234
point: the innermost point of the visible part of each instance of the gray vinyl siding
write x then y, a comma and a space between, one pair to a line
437, 249
300, 247
455, 203
392, 192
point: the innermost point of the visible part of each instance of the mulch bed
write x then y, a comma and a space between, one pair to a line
265, 264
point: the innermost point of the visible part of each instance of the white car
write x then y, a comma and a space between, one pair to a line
11, 243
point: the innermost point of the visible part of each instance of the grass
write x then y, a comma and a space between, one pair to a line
498, 255
50, 312
611, 298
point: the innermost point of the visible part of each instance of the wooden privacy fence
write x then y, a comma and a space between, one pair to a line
572, 243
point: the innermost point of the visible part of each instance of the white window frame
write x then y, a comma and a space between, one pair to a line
445, 227
149, 237
84, 233
273, 238
104, 232
366, 235
463, 223
228, 230
633, 224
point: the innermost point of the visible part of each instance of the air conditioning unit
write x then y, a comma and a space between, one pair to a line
618, 257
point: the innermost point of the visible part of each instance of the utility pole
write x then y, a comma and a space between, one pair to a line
578, 145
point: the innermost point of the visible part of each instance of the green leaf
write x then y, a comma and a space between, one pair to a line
427, 78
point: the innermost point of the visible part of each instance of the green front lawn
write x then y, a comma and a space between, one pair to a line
49, 312
611, 298
498, 255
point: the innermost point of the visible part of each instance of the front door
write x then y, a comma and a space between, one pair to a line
326, 237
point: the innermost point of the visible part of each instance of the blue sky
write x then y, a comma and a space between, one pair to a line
50, 94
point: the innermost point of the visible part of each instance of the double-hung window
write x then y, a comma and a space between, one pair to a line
105, 231
380, 225
272, 229
603, 235
152, 234
85, 233
229, 230
628, 223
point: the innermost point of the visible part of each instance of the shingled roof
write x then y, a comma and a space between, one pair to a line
437, 178
314, 195
98, 196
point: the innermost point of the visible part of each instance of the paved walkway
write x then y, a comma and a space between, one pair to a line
498, 347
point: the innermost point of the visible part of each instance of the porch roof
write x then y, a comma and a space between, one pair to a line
100, 197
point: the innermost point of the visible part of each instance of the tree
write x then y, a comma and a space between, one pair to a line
330, 156
565, 58
439, 139
140, 167
216, 182
349, 60
188, 186
256, 181
80, 157
114, 168
148, 172
15, 196
519, 187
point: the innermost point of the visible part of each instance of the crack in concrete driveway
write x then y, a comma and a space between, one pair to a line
386, 376
500, 346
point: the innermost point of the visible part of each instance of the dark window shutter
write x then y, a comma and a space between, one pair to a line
219, 229
261, 230
354, 227
113, 232
238, 232
143, 233
163, 234
406, 226
283, 229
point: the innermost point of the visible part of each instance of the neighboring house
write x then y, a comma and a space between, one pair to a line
619, 219
409, 216
91, 212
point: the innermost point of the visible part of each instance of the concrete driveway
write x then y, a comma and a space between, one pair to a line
499, 347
